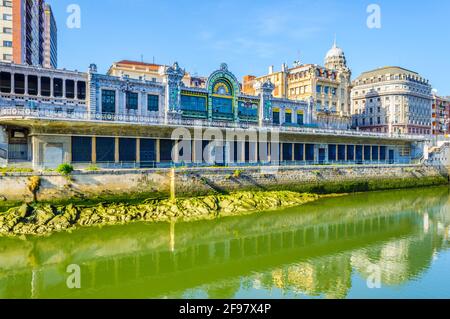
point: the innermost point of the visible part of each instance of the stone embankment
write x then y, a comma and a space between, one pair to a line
190, 182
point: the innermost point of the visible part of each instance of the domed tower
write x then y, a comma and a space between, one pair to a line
335, 59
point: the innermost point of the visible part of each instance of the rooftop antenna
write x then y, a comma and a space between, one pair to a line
153, 60
142, 58
335, 43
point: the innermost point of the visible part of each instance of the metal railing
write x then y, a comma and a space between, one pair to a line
83, 116
154, 164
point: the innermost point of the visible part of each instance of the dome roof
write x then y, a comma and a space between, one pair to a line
335, 51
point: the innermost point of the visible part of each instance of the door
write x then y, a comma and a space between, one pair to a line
391, 156
322, 156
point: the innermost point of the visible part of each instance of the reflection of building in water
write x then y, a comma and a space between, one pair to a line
329, 276
304, 251
403, 259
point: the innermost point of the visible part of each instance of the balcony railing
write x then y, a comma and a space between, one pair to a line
82, 116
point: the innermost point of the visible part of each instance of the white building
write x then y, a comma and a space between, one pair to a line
392, 100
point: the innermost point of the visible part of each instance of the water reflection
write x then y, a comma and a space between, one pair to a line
311, 251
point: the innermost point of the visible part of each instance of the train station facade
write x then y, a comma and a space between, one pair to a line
50, 116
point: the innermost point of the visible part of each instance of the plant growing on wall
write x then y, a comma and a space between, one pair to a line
92, 168
34, 183
65, 169
237, 173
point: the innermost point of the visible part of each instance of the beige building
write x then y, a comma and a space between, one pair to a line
150, 72
328, 86
392, 100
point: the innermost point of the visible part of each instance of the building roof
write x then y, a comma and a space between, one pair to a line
387, 70
152, 66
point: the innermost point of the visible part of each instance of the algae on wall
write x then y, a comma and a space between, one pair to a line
41, 219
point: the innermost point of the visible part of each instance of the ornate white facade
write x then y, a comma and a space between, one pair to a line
392, 100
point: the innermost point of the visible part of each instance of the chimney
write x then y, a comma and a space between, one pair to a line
271, 69
283, 67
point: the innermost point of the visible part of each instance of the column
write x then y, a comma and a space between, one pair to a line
346, 152
38, 86
26, 83
52, 93
36, 152
158, 150
242, 151
64, 88
116, 150
117, 99
176, 151
138, 150
12, 83
293, 151
94, 150
75, 89
280, 145
304, 151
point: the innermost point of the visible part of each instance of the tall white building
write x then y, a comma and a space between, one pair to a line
392, 100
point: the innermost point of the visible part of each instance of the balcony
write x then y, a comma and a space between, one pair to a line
48, 113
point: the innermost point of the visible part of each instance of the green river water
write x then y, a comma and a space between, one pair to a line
332, 248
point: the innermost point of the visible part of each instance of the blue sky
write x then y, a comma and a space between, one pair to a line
250, 35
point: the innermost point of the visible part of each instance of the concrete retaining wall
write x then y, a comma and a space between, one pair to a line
206, 180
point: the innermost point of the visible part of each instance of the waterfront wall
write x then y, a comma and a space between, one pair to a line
200, 181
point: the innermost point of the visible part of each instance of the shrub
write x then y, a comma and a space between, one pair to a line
65, 169
34, 183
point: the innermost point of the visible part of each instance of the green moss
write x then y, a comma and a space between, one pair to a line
359, 185
43, 219
6, 170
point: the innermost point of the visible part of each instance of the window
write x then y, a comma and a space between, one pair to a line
7, 3
222, 106
247, 110
7, 44
193, 104
7, 30
19, 83
300, 118
7, 17
70, 89
81, 90
5, 82
108, 101
288, 118
7, 57
132, 101
276, 117
153, 103
319, 89
45, 86
57, 87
